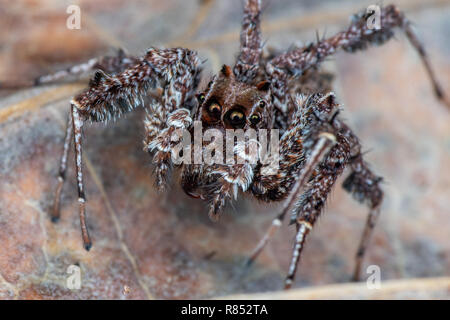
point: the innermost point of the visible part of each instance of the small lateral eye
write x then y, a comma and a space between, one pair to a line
254, 119
262, 104
201, 97
215, 108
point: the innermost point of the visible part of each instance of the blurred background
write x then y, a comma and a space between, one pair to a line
151, 245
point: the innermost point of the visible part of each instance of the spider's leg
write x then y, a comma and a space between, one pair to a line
316, 150
358, 36
232, 177
365, 187
362, 183
274, 226
160, 134
325, 142
365, 238
310, 204
278, 186
109, 96
171, 114
247, 63
55, 215
109, 64
78, 122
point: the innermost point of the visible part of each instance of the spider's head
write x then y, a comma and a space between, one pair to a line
229, 104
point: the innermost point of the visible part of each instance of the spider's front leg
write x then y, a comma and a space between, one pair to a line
316, 148
247, 63
109, 96
160, 133
358, 36
362, 183
307, 140
326, 152
232, 177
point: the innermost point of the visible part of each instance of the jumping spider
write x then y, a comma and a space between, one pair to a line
285, 91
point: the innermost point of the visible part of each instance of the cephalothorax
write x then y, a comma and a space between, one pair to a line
284, 91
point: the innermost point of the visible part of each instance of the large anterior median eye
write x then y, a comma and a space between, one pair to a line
237, 118
215, 109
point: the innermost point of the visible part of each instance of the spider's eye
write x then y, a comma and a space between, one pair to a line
215, 109
237, 118
262, 104
201, 97
254, 119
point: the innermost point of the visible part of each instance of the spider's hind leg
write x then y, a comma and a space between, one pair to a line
365, 187
358, 36
55, 214
77, 123
108, 64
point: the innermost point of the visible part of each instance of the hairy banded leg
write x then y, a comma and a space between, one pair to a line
233, 177
302, 147
109, 96
362, 183
358, 36
55, 215
364, 242
274, 226
109, 64
364, 186
247, 64
77, 122
169, 114
310, 204
320, 122
278, 186
325, 142
160, 134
